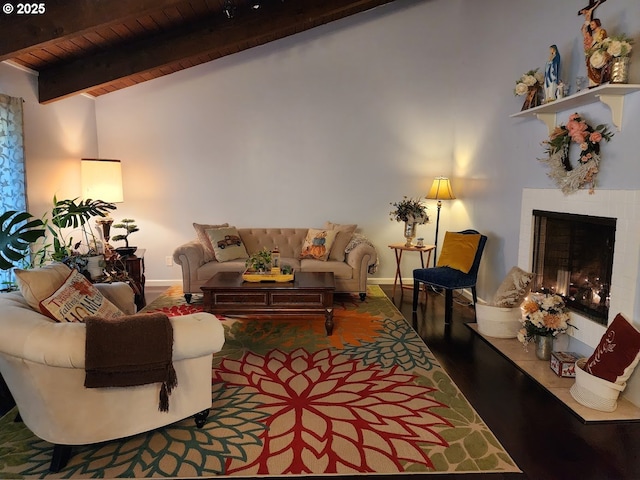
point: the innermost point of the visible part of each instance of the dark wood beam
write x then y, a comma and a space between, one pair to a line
64, 19
213, 37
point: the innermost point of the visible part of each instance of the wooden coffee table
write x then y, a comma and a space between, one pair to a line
310, 293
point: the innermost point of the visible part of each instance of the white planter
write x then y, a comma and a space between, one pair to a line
498, 322
95, 266
595, 392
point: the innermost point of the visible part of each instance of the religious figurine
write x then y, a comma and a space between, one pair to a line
552, 75
593, 34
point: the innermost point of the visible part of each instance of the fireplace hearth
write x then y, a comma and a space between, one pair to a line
573, 257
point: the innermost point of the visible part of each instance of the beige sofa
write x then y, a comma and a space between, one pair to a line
43, 364
351, 260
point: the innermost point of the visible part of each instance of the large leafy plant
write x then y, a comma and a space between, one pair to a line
17, 232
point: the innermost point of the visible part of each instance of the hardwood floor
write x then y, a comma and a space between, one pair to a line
543, 437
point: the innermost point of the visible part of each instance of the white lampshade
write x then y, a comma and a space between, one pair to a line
101, 180
441, 190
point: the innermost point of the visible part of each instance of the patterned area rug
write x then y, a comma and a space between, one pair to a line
287, 399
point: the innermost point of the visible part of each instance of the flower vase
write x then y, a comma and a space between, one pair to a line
409, 232
544, 347
95, 266
532, 99
620, 70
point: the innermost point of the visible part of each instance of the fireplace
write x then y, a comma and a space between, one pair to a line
573, 257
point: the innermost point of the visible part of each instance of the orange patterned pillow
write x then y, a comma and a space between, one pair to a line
317, 244
76, 299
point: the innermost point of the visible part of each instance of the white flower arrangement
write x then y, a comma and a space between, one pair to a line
543, 315
532, 78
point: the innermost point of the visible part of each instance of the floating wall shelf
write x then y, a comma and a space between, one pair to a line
611, 95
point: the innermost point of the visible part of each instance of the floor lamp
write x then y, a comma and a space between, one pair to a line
102, 180
440, 190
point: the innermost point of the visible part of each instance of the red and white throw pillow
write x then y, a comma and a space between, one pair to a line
617, 353
76, 299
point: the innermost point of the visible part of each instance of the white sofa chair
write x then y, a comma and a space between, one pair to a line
42, 363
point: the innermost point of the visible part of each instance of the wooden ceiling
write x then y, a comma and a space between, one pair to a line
99, 46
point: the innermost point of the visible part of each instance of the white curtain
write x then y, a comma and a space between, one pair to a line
12, 176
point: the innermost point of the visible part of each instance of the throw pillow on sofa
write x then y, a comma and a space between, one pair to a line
317, 244
76, 299
343, 237
227, 244
201, 234
36, 284
617, 354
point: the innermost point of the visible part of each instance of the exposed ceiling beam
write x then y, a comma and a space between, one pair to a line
214, 37
64, 19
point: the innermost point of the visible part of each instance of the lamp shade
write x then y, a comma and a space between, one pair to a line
101, 180
441, 190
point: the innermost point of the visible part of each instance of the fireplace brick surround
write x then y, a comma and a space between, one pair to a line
624, 205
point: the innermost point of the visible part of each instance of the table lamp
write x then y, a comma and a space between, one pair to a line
440, 190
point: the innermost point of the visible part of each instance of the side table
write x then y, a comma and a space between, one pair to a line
398, 249
134, 264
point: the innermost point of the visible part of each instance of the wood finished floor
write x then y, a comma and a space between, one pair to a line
545, 440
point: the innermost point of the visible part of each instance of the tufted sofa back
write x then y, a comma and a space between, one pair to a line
288, 240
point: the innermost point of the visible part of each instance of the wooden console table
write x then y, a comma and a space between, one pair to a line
310, 293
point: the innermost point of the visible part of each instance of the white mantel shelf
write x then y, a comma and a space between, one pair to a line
611, 95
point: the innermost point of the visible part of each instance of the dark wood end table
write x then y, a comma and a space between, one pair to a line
310, 293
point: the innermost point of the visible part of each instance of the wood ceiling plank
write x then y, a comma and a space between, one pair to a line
212, 34
64, 19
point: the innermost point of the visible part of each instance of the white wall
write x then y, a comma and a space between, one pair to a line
56, 137
337, 122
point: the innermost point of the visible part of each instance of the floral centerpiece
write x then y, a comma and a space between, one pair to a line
589, 138
410, 211
612, 52
530, 84
543, 316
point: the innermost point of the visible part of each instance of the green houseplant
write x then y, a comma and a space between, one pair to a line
259, 261
18, 230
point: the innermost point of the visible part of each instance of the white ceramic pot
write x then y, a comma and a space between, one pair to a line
95, 266
498, 322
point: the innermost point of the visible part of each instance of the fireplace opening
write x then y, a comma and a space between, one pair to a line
573, 257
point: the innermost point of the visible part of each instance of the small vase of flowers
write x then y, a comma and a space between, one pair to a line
544, 317
412, 212
530, 84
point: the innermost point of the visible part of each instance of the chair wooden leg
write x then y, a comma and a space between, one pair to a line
448, 306
475, 301
416, 292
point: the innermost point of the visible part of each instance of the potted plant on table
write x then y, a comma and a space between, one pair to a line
259, 262
85, 255
128, 224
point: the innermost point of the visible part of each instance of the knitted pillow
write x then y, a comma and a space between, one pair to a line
617, 353
513, 288
76, 299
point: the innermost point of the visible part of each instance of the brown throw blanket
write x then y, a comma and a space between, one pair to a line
130, 350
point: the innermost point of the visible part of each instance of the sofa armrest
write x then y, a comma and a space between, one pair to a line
120, 294
362, 251
190, 254
63, 344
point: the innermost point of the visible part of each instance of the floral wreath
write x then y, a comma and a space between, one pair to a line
567, 177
